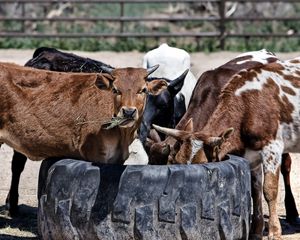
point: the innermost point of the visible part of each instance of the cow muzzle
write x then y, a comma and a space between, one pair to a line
130, 114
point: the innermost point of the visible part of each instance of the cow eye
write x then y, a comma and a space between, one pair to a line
116, 91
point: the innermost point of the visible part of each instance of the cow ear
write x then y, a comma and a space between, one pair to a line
189, 126
227, 133
176, 84
155, 87
104, 81
218, 141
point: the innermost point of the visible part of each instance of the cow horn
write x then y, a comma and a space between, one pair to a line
182, 76
175, 133
152, 69
106, 69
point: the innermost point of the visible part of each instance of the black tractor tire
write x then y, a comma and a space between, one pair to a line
82, 200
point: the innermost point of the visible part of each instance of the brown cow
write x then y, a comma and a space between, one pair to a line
49, 114
206, 95
205, 98
261, 104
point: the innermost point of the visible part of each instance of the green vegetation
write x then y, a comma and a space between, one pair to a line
144, 44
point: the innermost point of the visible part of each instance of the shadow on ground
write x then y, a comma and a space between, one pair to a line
23, 226
287, 228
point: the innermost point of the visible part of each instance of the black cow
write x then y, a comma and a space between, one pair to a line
54, 60
161, 108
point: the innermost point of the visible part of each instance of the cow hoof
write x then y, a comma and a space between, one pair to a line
207, 201
13, 209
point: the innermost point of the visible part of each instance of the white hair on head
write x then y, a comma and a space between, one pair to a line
196, 146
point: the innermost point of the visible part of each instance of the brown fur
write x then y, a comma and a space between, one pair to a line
296, 61
234, 111
288, 90
203, 102
254, 114
50, 114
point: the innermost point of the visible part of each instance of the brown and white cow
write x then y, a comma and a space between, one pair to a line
257, 116
51, 114
205, 97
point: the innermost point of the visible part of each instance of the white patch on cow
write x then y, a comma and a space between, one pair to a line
257, 56
137, 154
271, 156
257, 83
172, 63
252, 84
196, 146
290, 68
288, 134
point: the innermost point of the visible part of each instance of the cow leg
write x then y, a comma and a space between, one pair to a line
270, 193
289, 201
17, 167
271, 155
257, 224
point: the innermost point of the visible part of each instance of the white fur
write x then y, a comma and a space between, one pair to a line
258, 82
172, 63
137, 154
257, 56
288, 134
196, 146
271, 156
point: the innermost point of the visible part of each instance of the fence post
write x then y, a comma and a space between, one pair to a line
23, 15
121, 15
222, 25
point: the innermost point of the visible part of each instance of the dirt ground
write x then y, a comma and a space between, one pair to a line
24, 227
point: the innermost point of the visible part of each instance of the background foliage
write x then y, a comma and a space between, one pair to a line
49, 9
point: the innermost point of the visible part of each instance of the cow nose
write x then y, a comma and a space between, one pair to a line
129, 112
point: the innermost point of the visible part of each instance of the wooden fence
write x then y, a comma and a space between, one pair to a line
220, 20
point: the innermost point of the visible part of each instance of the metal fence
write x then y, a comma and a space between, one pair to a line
221, 20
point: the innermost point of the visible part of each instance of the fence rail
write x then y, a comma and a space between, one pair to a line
220, 19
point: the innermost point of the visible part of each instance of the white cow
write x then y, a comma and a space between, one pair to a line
172, 62
137, 154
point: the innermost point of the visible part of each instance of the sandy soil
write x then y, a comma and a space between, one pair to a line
24, 227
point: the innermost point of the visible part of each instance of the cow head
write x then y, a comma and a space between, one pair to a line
159, 108
46, 58
130, 88
194, 147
